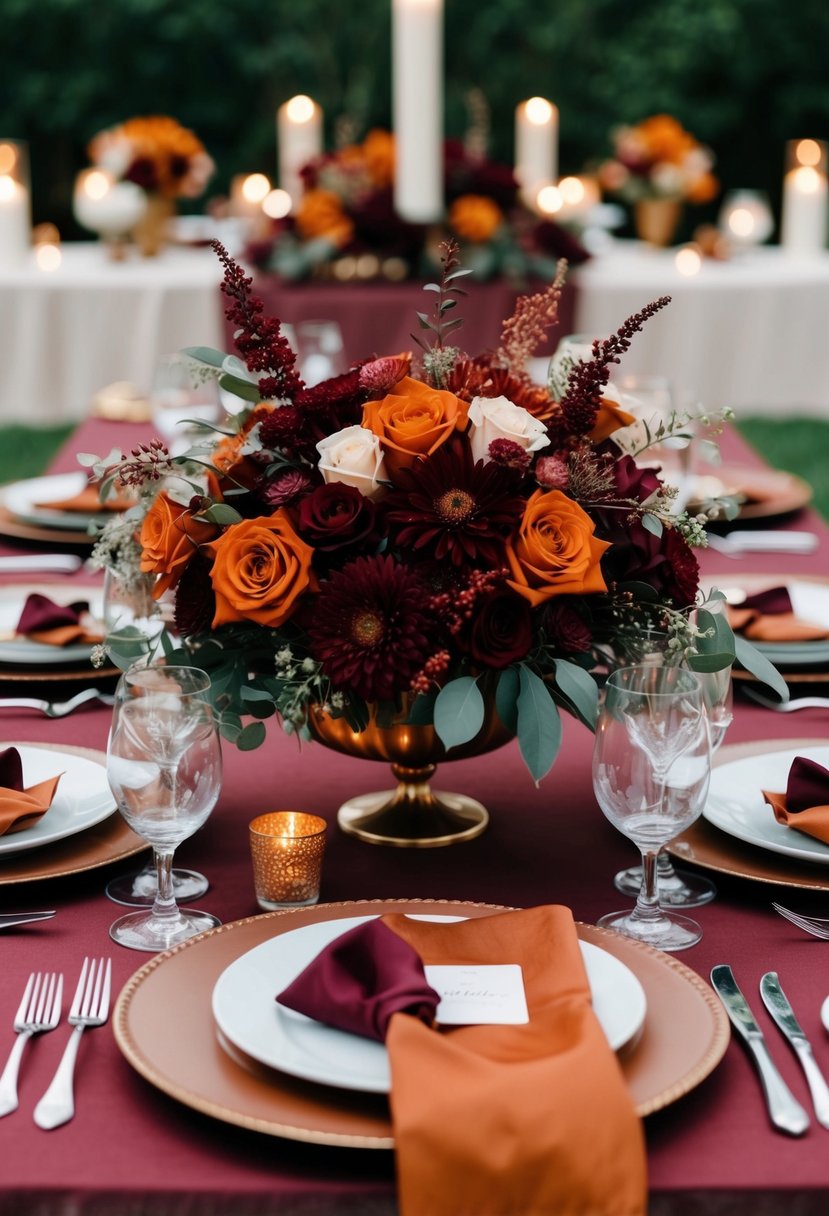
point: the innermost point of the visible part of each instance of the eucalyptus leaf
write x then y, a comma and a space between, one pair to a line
240, 388
539, 724
251, 737
459, 712
579, 687
233, 366
506, 698
222, 514
717, 634
712, 661
205, 354
652, 523
422, 711
759, 666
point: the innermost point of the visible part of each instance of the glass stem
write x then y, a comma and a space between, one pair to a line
165, 901
647, 901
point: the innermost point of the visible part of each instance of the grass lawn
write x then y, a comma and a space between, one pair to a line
799, 445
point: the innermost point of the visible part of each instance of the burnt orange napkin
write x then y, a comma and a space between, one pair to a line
42, 620
768, 616
805, 804
533, 1120
87, 502
21, 808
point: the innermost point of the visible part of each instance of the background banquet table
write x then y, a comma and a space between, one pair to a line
748, 333
132, 1149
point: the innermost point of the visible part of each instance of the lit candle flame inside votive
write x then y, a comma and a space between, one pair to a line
549, 200
808, 152
688, 260
255, 188
8, 158
572, 190
300, 108
97, 184
277, 204
741, 222
48, 257
539, 111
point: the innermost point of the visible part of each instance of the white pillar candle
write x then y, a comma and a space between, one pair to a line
299, 140
536, 146
805, 198
417, 107
15, 207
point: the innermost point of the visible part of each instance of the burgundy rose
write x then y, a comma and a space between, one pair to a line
666, 563
335, 515
501, 630
567, 631
633, 481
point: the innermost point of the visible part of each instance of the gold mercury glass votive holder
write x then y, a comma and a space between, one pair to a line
287, 848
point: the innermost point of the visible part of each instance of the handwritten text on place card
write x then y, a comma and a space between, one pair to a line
480, 995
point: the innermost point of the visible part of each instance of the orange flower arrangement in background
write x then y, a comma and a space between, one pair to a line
658, 158
156, 153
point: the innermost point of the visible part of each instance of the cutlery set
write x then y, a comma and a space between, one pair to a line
738, 543
39, 1012
785, 1112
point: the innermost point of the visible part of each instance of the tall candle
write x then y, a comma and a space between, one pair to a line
536, 146
299, 140
417, 107
15, 209
805, 197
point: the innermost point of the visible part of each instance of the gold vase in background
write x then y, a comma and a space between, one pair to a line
657, 219
413, 815
151, 232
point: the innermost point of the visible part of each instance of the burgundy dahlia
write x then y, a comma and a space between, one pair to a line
369, 629
195, 601
450, 507
666, 563
566, 629
336, 515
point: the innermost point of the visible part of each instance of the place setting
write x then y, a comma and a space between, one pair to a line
61, 509
49, 632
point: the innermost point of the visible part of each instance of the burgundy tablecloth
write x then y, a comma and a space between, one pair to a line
130, 1149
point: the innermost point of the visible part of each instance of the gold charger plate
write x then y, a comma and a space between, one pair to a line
106, 842
711, 849
768, 492
686, 1032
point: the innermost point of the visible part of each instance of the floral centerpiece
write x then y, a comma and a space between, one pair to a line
345, 223
418, 537
159, 155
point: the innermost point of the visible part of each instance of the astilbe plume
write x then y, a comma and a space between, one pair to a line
522, 333
589, 377
259, 340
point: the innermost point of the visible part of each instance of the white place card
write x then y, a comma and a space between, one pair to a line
480, 995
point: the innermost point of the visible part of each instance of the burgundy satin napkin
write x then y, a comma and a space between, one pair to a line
805, 804
358, 981
21, 808
768, 616
42, 620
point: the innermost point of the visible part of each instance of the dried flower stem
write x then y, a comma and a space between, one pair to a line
533, 316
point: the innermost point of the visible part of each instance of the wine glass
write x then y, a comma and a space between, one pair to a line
652, 402
319, 347
680, 888
180, 399
133, 622
164, 766
651, 768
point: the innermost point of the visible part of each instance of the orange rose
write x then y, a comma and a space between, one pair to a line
555, 552
260, 568
610, 417
320, 215
169, 538
413, 421
475, 218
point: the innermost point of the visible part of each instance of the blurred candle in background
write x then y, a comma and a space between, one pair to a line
417, 107
248, 192
46, 242
805, 196
536, 146
15, 206
299, 140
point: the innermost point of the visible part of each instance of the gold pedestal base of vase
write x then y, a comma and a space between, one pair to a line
413, 816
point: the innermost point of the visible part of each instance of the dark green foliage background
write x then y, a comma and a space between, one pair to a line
743, 75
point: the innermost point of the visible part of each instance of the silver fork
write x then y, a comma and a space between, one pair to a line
39, 1011
786, 707
90, 1007
57, 709
818, 926
738, 544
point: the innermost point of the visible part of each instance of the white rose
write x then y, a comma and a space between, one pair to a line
354, 457
498, 418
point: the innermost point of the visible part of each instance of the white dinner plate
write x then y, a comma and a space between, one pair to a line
83, 798
247, 1014
810, 602
736, 805
27, 500
29, 653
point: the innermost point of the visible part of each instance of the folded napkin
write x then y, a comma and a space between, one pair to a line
87, 502
805, 804
21, 808
42, 620
500, 1120
768, 616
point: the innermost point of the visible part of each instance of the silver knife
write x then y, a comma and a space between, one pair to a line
785, 1111
774, 998
9, 919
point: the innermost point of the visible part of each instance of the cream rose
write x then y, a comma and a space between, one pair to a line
354, 457
498, 418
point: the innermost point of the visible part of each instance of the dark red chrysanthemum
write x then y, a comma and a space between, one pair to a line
195, 602
449, 506
369, 629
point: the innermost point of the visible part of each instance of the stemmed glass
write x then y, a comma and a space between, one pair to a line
164, 766
651, 768
133, 622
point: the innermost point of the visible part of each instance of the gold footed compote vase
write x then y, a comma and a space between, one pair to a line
412, 816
